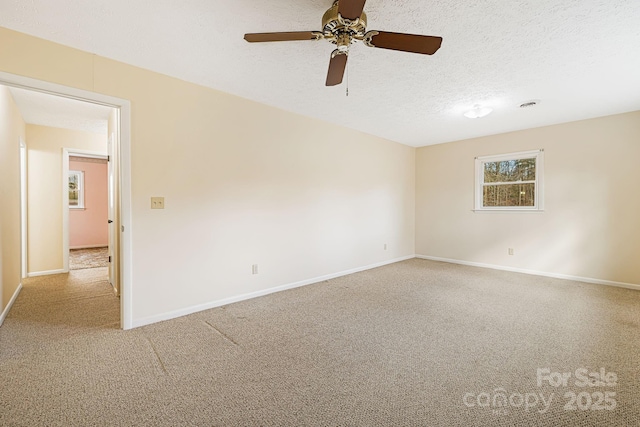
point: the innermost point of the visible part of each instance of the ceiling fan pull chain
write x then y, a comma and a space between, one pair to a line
347, 79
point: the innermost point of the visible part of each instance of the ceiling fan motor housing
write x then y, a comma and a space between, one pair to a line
340, 31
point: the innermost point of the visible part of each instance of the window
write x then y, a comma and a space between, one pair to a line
76, 189
510, 182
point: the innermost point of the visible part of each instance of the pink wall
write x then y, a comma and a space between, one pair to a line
88, 227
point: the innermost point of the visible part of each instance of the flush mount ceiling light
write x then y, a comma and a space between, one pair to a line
477, 111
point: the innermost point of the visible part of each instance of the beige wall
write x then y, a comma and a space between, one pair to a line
591, 224
12, 128
243, 183
44, 183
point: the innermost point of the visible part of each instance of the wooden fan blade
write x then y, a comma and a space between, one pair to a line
427, 45
282, 37
351, 9
336, 68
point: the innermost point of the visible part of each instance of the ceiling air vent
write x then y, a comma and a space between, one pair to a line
531, 103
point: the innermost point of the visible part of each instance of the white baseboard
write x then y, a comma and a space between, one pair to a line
47, 273
534, 272
5, 312
106, 245
213, 304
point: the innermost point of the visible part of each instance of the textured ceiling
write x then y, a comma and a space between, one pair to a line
580, 57
48, 110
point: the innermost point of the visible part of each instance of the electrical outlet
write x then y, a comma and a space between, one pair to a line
157, 203
385, 246
254, 269
510, 251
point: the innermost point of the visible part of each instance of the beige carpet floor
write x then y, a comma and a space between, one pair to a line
80, 259
417, 343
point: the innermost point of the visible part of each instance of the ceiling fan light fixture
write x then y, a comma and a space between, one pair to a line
478, 111
343, 41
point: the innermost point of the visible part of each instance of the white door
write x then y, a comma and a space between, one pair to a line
112, 215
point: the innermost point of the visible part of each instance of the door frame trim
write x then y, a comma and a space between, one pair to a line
124, 110
24, 259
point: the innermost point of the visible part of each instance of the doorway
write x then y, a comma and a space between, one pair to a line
119, 182
88, 211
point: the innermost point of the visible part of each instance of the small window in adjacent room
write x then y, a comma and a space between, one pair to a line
76, 190
510, 182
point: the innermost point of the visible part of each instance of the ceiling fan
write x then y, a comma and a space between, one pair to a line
343, 24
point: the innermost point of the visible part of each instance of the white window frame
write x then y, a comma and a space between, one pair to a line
80, 175
538, 182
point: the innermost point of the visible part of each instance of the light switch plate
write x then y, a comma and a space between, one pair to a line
157, 203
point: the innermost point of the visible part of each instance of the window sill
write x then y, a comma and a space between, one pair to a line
77, 208
507, 210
